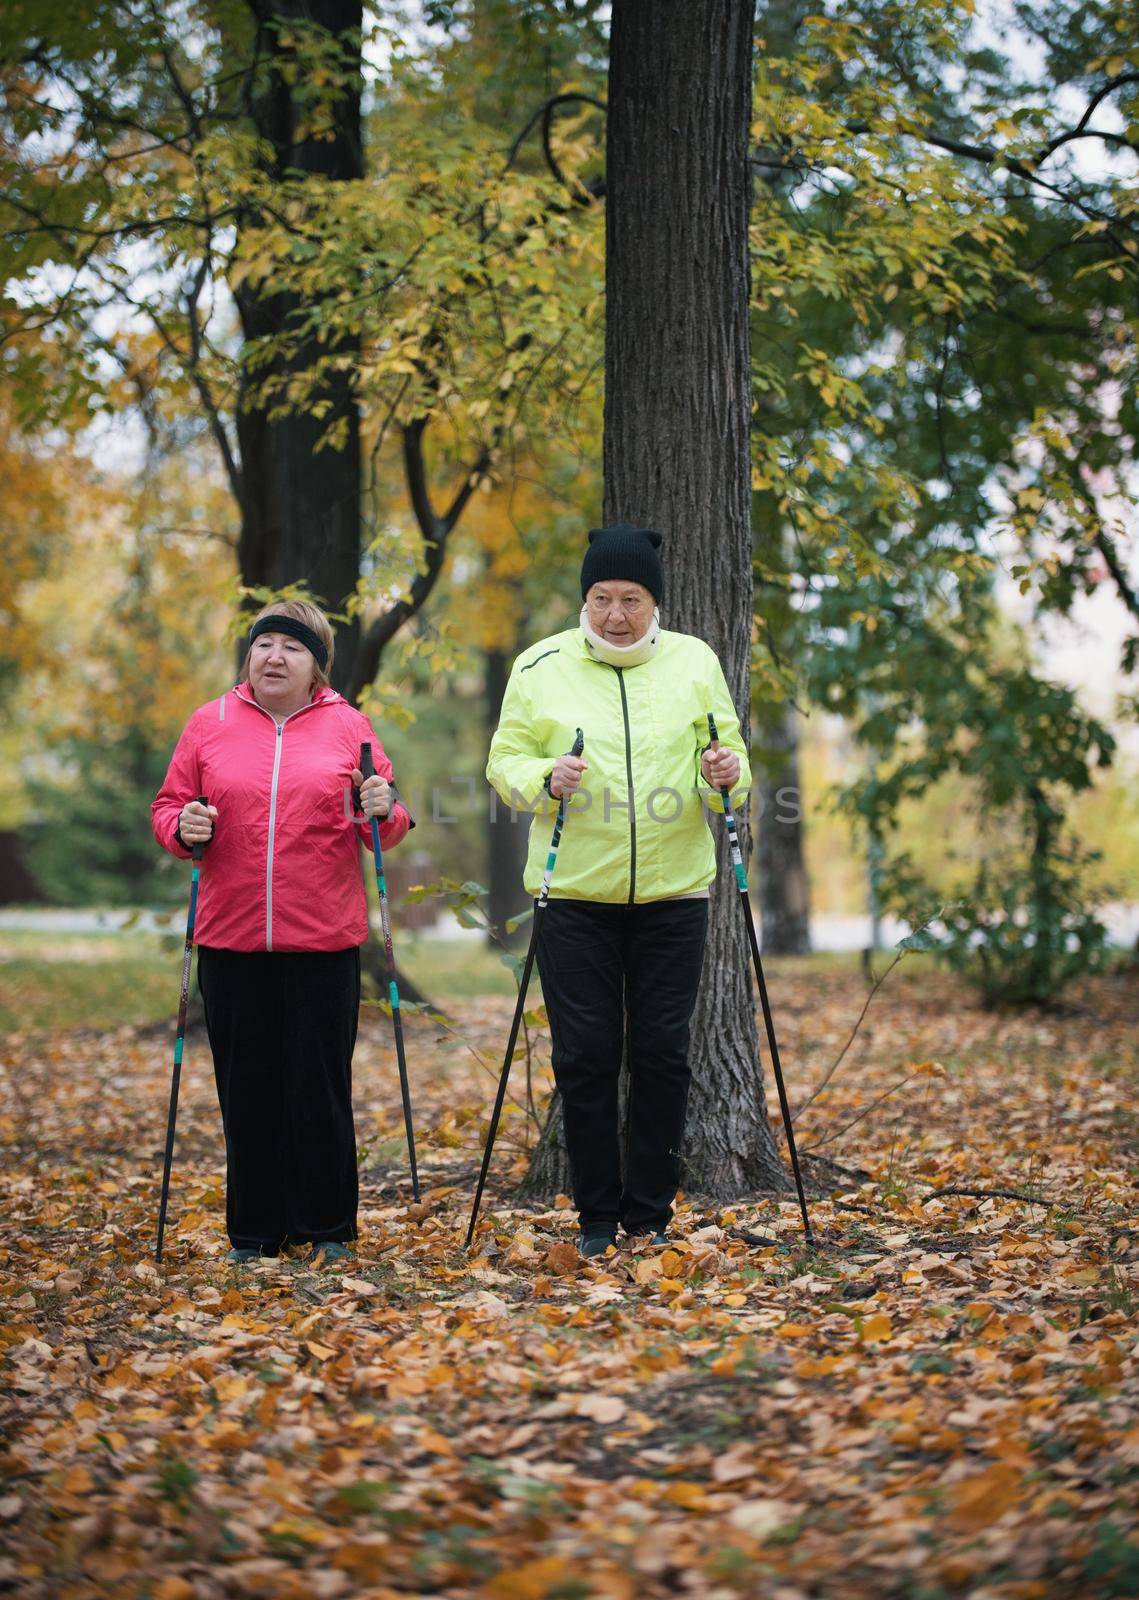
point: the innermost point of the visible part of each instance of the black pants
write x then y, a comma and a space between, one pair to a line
601, 964
282, 1030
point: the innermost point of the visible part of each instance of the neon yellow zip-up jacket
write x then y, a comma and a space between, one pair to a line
639, 828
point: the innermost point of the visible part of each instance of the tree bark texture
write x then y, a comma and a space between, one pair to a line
301, 511
783, 887
507, 833
676, 453
783, 883
676, 456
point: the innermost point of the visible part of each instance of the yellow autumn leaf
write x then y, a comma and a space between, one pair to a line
876, 1328
532, 1581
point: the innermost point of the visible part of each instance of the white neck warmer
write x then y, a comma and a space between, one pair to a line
622, 655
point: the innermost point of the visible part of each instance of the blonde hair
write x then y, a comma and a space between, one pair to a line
312, 617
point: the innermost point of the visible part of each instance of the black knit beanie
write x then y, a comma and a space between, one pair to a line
623, 552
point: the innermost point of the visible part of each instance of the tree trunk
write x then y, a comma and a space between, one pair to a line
782, 868
676, 456
549, 1171
300, 511
507, 833
783, 890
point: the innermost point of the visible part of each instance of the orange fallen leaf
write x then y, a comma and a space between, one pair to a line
562, 1259
981, 1499
532, 1581
689, 1496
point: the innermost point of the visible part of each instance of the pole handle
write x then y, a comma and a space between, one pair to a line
713, 734
578, 744
367, 765
198, 850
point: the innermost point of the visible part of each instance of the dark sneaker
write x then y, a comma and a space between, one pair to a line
242, 1258
596, 1244
332, 1250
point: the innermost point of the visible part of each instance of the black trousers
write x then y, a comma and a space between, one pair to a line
282, 1029
602, 967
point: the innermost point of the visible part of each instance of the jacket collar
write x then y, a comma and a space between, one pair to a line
323, 696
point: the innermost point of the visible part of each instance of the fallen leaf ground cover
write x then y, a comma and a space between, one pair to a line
940, 1401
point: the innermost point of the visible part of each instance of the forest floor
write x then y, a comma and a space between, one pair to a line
940, 1401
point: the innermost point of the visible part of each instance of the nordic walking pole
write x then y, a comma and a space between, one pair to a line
368, 768
559, 824
741, 883
196, 857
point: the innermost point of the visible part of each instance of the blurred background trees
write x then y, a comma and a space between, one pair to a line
314, 295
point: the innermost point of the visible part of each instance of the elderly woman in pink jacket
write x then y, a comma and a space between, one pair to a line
281, 918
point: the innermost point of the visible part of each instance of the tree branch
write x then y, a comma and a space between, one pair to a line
435, 530
1081, 128
1107, 550
837, 1062
1113, 564
990, 156
986, 1194
213, 413
583, 194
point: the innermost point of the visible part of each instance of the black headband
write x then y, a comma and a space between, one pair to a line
295, 630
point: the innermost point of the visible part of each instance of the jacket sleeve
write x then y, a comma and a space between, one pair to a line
183, 782
517, 766
728, 727
398, 822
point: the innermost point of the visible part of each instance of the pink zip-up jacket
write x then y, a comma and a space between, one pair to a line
283, 870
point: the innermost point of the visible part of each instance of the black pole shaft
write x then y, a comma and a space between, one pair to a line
539, 908
765, 1004
367, 768
775, 1065
500, 1097
179, 1042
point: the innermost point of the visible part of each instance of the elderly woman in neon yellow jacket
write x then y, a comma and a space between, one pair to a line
622, 939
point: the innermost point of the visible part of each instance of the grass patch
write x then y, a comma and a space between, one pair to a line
107, 980
38, 993
454, 969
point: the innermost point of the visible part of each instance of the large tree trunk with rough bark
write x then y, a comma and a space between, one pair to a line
300, 505
507, 834
783, 887
676, 457
780, 857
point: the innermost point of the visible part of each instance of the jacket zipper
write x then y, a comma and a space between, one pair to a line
280, 728
629, 777
272, 837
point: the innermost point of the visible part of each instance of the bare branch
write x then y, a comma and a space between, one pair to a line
583, 194
986, 1194
1081, 129
837, 1062
435, 530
